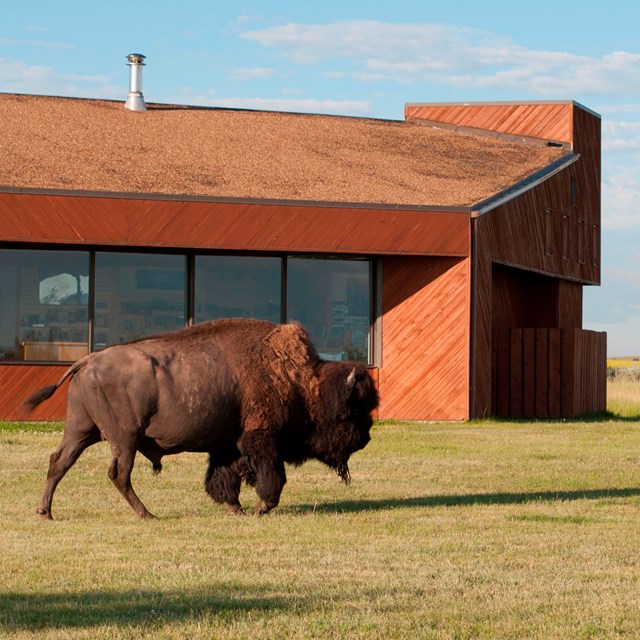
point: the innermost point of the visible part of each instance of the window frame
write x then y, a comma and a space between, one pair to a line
374, 275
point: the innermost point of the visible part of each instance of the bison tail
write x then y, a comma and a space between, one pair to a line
39, 396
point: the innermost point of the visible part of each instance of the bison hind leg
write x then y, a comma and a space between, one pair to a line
148, 448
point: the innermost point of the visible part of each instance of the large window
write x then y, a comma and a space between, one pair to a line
44, 298
238, 287
60, 305
136, 295
331, 298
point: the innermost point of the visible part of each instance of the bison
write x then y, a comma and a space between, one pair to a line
252, 394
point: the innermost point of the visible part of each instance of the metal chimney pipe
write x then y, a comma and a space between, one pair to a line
135, 99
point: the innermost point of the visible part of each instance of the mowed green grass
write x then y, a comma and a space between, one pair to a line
484, 530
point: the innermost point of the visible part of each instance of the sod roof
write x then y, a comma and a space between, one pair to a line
98, 145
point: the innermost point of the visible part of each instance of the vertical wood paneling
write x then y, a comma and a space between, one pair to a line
425, 339
564, 377
529, 372
515, 379
541, 375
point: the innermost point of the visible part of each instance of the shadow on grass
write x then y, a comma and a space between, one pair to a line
133, 609
351, 506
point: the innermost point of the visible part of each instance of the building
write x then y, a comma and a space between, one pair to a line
449, 250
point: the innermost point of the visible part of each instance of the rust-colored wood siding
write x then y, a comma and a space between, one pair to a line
17, 382
424, 374
550, 121
230, 226
553, 229
549, 373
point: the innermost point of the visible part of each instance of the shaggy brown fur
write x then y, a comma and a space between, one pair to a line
253, 394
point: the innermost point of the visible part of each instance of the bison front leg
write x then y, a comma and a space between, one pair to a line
260, 452
120, 474
270, 480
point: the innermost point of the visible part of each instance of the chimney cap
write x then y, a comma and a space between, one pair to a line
135, 58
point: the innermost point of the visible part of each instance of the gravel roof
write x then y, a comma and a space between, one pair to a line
98, 145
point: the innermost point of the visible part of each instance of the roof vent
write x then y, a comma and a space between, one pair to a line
135, 100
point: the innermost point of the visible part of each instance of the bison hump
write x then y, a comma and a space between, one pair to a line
291, 356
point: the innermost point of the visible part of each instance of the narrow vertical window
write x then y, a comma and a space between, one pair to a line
549, 233
574, 192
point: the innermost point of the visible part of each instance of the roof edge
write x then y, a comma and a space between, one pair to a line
525, 185
76, 193
175, 106
489, 103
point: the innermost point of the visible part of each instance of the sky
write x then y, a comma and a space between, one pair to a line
366, 58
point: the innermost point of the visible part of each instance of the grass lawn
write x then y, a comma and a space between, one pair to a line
484, 530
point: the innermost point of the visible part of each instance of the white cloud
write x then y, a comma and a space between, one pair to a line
299, 105
251, 74
620, 136
453, 56
45, 44
18, 77
620, 197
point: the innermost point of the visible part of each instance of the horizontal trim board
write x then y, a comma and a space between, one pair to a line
172, 197
72, 220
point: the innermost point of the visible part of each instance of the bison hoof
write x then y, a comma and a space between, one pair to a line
264, 507
44, 513
235, 510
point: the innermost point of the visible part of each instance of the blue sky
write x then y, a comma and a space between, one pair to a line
366, 58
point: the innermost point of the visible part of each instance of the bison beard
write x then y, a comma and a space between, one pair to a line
253, 394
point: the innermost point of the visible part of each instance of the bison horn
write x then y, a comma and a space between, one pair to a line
351, 379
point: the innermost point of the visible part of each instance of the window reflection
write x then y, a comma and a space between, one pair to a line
44, 299
137, 295
237, 287
331, 299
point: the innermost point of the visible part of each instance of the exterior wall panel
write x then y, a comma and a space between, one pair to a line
17, 382
425, 339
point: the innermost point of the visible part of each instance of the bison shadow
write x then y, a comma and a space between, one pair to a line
132, 609
464, 500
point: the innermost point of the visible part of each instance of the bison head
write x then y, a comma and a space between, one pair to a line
347, 397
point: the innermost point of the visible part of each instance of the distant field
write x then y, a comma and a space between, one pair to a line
632, 361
